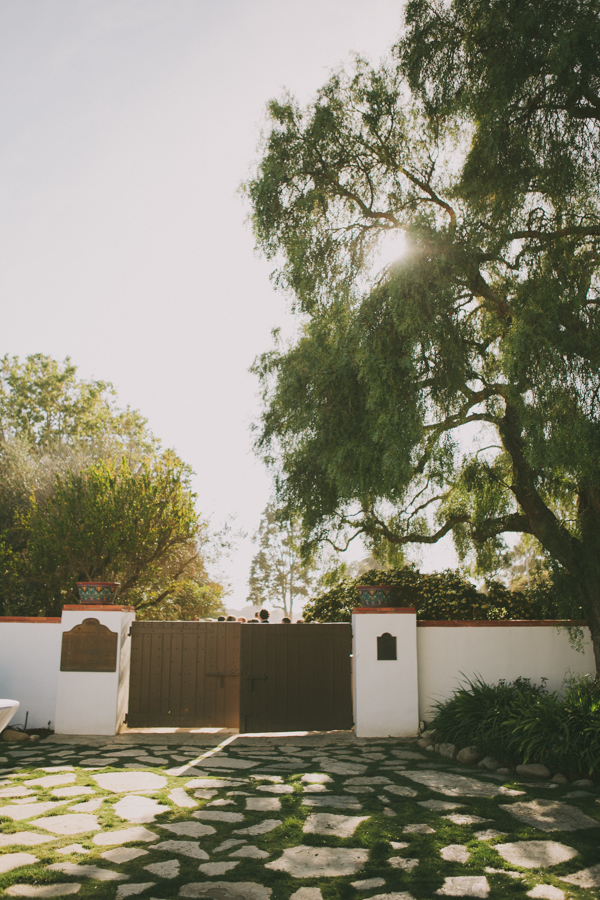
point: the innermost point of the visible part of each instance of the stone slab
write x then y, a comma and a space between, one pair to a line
585, 878
185, 848
261, 828
125, 836
465, 886
217, 816
88, 806
10, 861
400, 790
368, 884
331, 824
226, 890
535, 854
321, 800
72, 848
74, 823
315, 778
339, 768
78, 790
131, 890
23, 839
276, 788
179, 797
50, 781
216, 762
122, 855
546, 892
438, 805
217, 868
139, 809
16, 791
21, 811
168, 869
189, 829
319, 862
461, 819
42, 891
455, 853
307, 893
403, 862
125, 782
550, 815
212, 783
263, 804
454, 785
85, 871
418, 828
250, 852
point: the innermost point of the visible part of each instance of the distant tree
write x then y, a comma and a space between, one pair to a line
278, 573
44, 403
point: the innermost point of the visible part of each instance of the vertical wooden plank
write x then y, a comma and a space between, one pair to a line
245, 707
200, 713
231, 718
188, 671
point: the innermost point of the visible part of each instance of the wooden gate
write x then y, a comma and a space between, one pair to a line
296, 678
234, 675
184, 675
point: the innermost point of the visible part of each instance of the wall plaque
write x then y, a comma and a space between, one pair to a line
386, 646
89, 647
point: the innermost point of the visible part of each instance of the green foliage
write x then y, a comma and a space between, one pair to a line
86, 495
521, 722
278, 573
456, 389
443, 596
43, 403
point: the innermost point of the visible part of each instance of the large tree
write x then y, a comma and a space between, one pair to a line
86, 494
458, 388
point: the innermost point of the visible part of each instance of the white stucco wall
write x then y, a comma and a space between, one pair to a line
449, 652
385, 691
95, 702
29, 664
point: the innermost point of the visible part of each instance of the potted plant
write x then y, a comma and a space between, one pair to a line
377, 594
97, 593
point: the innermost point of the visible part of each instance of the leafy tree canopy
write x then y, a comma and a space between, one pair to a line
86, 495
458, 388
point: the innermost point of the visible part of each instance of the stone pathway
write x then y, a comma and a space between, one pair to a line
311, 818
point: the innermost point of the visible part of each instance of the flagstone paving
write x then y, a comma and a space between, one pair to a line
375, 820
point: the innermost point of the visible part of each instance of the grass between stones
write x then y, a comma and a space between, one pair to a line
386, 823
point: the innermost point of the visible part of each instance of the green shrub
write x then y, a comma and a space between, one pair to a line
442, 596
522, 722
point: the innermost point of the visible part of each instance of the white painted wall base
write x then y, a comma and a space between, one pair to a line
29, 664
451, 652
95, 702
386, 692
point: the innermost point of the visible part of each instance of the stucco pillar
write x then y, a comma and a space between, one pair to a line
93, 681
386, 690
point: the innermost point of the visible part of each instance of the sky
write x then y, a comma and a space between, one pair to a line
128, 127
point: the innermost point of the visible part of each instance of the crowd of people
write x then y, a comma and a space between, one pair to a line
260, 618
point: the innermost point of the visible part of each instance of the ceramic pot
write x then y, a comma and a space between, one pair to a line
99, 593
377, 594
